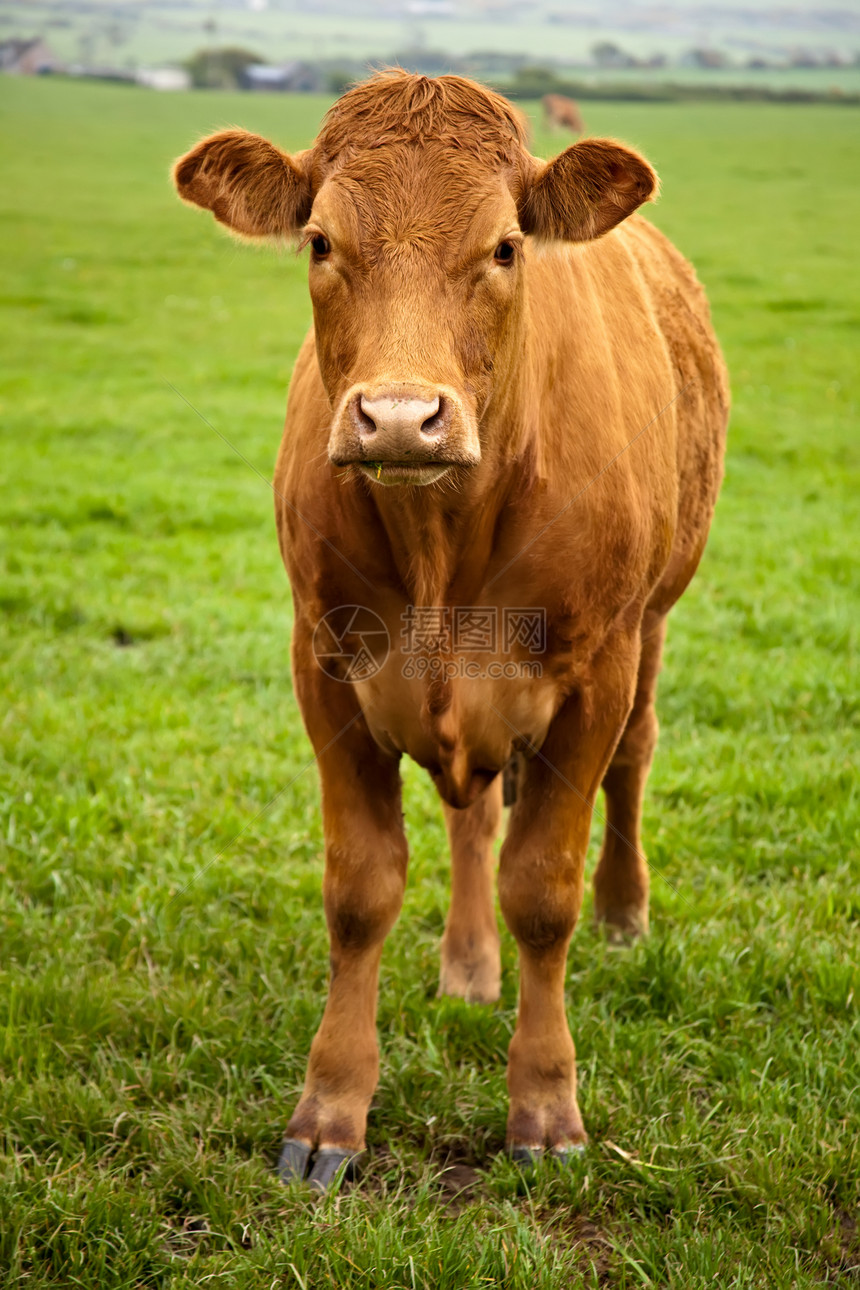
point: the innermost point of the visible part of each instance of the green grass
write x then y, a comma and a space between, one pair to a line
162, 945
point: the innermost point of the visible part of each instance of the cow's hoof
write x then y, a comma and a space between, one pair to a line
324, 1171
328, 1169
525, 1157
293, 1160
624, 924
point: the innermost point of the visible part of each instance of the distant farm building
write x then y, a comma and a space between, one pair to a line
293, 78
164, 78
28, 58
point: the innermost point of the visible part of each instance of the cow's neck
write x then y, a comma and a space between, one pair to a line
440, 539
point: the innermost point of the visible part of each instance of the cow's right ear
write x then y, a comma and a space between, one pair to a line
247, 183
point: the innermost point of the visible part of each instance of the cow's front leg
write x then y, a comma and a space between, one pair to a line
540, 885
365, 873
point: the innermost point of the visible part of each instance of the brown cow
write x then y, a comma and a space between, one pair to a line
562, 113
511, 409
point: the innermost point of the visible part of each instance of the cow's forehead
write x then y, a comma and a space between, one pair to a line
394, 107
432, 195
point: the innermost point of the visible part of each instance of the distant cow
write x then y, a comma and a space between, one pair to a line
562, 113
502, 451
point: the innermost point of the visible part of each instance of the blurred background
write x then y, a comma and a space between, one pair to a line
649, 48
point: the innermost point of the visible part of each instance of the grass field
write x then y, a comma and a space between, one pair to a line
162, 952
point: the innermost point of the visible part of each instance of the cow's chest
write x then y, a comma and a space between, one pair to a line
459, 705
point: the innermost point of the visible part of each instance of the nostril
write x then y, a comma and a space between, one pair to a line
363, 420
435, 423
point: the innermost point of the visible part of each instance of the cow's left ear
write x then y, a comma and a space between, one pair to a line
247, 183
585, 191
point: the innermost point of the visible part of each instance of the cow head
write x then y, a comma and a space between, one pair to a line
414, 202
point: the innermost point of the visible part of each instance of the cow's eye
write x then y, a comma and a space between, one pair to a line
320, 246
505, 253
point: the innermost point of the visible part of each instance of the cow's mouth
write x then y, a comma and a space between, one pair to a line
417, 473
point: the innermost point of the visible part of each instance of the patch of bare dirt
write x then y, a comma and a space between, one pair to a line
458, 1182
844, 1268
578, 1232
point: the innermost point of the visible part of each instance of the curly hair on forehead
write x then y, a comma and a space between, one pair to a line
395, 106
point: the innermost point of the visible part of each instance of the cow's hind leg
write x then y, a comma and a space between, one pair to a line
621, 878
470, 966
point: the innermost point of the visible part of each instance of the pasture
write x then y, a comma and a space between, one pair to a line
162, 943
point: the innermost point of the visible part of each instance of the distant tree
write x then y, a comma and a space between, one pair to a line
803, 58
710, 59
607, 54
220, 69
338, 80
534, 82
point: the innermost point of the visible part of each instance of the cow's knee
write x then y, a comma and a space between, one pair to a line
362, 900
540, 902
